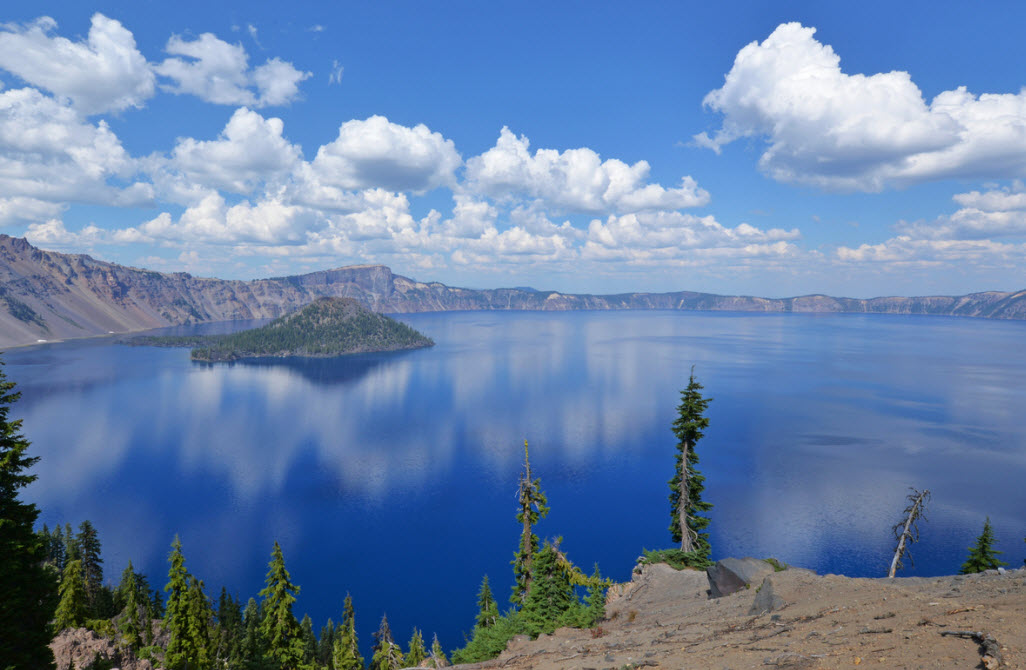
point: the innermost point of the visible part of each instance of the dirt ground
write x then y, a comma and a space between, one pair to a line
664, 619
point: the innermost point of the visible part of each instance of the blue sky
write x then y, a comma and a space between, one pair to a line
759, 148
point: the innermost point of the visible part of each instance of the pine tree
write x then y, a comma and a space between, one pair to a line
309, 640
28, 590
229, 633
416, 654
596, 599
71, 552
88, 543
73, 608
201, 617
487, 608
346, 652
983, 555
129, 623
279, 628
325, 644
387, 654
533, 507
438, 659
551, 594
686, 526
253, 646
186, 648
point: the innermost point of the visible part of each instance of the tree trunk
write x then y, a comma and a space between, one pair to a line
905, 534
687, 543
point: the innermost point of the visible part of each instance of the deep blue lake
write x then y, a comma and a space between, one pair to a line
393, 476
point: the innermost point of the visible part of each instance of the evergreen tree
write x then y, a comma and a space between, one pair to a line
532, 507
596, 599
983, 555
53, 543
229, 633
438, 659
416, 653
551, 594
253, 645
387, 654
487, 608
325, 645
686, 526
28, 590
186, 648
487, 643
279, 628
73, 608
309, 641
129, 623
346, 651
88, 543
71, 552
201, 617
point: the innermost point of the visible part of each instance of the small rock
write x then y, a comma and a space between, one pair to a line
766, 600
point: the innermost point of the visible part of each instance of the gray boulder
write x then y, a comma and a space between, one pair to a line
766, 599
730, 575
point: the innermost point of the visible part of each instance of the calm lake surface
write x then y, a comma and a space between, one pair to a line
393, 476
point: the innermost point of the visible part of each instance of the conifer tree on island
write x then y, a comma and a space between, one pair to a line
28, 589
686, 487
279, 627
533, 506
982, 555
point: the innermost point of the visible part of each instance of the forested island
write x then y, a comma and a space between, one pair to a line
325, 327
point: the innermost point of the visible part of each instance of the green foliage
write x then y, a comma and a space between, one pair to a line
487, 643
129, 619
72, 611
325, 644
28, 589
982, 555
675, 558
487, 608
229, 633
309, 641
416, 653
437, 658
188, 643
777, 565
686, 491
387, 654
533, 506
279, 627
253, 645
596, 600
346, 652
326, 327
550, 596
88, 543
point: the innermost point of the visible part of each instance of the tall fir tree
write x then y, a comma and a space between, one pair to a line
437, 658
28, 590
131, 632
983, 555
551, 594
71, 552
280, 630
346, 651
387, 654
89, 551
186, 648
253, 645
533, 506
686, 504
229, 633
416, 654
309, 641
325, 644
596, 599
201, 617
487, 608
73, 609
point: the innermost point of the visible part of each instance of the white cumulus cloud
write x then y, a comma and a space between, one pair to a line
218, 72
842, 131
104, 73
576, 179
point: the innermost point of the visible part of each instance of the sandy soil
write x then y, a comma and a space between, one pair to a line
664, 619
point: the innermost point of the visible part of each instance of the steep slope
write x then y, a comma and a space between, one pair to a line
46, 295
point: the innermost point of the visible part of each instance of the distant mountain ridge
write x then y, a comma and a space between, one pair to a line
46, 295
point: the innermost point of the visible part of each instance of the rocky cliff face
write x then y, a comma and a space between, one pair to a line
46, 295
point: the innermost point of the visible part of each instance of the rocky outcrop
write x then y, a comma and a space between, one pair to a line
81, 648
730, 575
45, 295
